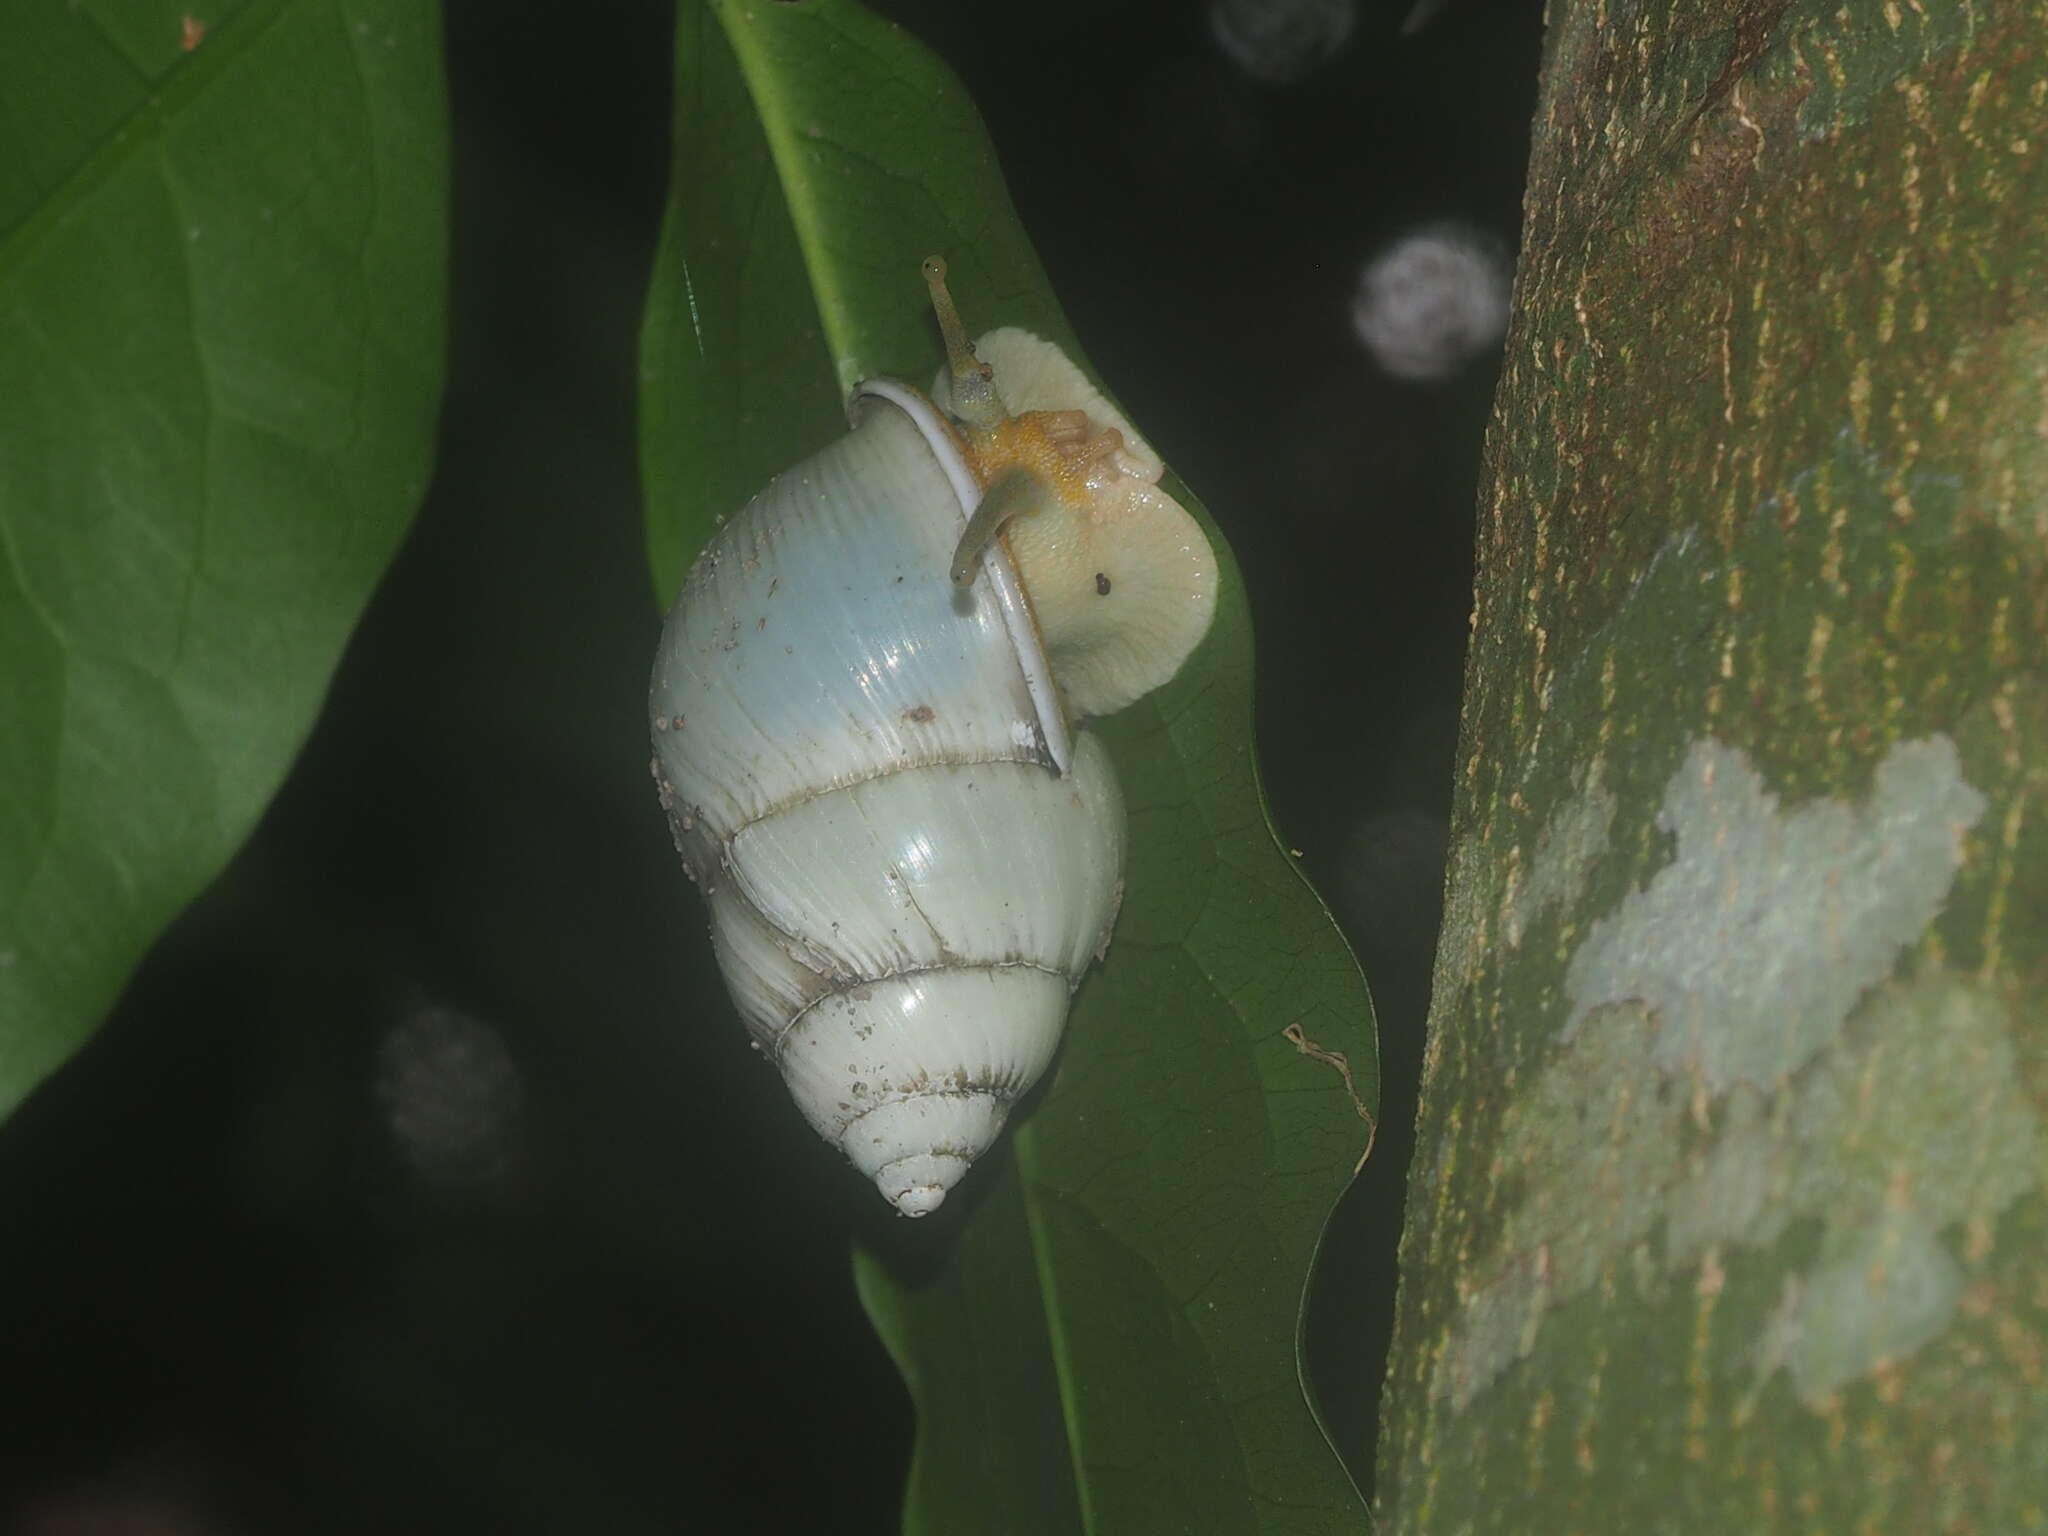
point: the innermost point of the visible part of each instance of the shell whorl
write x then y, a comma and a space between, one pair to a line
903, 890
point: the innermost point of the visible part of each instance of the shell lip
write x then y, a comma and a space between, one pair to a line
1011, 599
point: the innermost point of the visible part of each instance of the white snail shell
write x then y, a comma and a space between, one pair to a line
909, 856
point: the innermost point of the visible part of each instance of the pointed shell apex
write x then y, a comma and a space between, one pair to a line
918, 1185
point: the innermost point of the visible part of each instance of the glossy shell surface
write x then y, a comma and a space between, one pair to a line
904, 890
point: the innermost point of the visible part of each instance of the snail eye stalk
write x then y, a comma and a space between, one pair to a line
974, 390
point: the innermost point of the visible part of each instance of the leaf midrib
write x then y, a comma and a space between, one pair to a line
771, 106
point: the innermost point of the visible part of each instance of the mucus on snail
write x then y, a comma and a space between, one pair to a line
866, 709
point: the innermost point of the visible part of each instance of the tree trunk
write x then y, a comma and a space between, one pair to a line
1728, 1203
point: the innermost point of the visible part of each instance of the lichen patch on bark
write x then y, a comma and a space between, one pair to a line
1906, 1134
1752, 945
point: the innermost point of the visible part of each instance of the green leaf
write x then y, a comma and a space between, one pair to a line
1108, 1341
221, 299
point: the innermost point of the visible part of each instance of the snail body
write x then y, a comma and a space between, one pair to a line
862, 712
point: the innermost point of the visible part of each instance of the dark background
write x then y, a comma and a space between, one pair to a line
423, 1180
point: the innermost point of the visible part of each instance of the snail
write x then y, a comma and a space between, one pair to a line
866, 713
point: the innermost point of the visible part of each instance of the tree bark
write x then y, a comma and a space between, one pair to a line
1728, 1211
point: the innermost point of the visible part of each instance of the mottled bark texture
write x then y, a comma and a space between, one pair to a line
1730, 1203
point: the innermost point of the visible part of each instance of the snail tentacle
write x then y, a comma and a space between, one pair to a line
1015, 491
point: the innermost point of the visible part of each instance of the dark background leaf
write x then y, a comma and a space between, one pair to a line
221, 282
